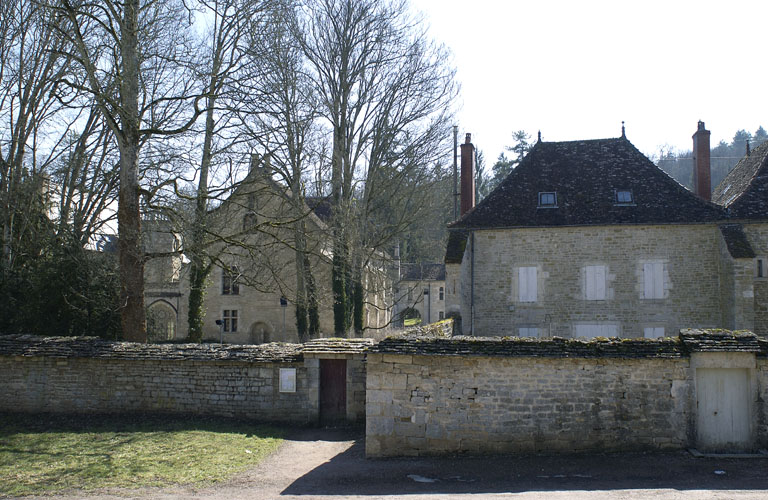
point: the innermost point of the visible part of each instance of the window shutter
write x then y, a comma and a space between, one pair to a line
526, 284
648, 280
658, 280
595, 282
600, 282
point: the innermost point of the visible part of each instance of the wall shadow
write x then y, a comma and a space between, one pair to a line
350, 473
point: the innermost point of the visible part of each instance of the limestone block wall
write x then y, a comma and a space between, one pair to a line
436, 405
245, 390
460, 395
689, 254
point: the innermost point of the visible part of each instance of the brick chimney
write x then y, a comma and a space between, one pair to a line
467, 175
702, 184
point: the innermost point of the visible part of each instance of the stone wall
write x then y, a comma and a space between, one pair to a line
527, 396
87, 375
692, 288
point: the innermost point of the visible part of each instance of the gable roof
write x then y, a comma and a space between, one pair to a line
736, 241
586, 175
422, 272
457, 243
744, 191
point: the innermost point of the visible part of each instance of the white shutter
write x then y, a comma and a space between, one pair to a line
653, 332
594, 278
658, 280
648, 280
526, 284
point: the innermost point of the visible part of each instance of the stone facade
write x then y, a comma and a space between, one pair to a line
528, 396
703, 286
252, 285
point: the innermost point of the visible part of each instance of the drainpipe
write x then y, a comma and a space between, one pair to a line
472, 287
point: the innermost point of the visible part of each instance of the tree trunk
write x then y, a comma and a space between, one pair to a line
133, 316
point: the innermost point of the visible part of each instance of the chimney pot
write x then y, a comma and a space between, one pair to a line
467, 175
702, 182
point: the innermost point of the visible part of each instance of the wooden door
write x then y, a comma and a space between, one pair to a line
333, 391
723, 416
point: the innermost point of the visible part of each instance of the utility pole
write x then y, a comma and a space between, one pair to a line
455, 173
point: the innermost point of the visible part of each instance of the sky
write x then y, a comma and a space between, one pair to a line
575, 69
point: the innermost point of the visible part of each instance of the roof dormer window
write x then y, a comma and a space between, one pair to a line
548, 200
624, 197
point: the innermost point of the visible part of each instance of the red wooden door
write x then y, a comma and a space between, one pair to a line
333, 390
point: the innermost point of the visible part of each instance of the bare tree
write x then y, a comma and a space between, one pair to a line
134, 57
385, 92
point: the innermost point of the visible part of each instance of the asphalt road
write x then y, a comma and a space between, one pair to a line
318, 463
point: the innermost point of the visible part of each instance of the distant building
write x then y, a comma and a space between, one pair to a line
420, 292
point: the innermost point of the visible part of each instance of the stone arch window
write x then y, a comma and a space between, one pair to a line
161, 321
261, 333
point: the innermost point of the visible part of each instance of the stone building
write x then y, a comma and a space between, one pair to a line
253, 279
420, 291
590, 239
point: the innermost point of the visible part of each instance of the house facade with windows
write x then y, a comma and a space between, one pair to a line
251, 292
590, 239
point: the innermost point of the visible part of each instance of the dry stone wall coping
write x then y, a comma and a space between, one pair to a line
337, 346
678, 347
93, 347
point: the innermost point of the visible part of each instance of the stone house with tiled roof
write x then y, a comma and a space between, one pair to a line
589, 238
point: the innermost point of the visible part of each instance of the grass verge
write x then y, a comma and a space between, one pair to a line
47, 453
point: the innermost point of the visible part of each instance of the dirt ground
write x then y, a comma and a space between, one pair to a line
323, 463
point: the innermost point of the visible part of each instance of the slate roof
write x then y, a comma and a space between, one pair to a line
422, 272
586, 175
321, 206
457, 243
93, 347
736, 241
744, 191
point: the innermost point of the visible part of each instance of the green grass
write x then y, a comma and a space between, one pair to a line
47, 453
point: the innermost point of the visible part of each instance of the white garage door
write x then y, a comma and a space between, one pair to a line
723, 416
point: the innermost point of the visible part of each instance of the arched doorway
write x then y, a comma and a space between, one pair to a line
161, 321
261, 333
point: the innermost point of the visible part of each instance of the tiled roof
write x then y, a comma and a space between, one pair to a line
92, 347
586, 176
422, 272
736, 241
457, 242
744, 191
687, 342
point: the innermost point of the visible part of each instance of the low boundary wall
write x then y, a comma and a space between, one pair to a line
88, 375
481, 395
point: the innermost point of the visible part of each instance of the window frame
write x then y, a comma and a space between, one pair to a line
760, 270
619, 202
542, 195
229, 319
654, 331
441, 293
229, 282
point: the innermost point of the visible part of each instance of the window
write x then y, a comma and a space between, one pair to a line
653, 332
440, 315
596, 330
249, 221
229, 284
624, 197
230, 320
527, 285
426, 291
442, 293
594, 282
548, 200
653, 280
760, 267
410, 294
287, 379
527, 331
